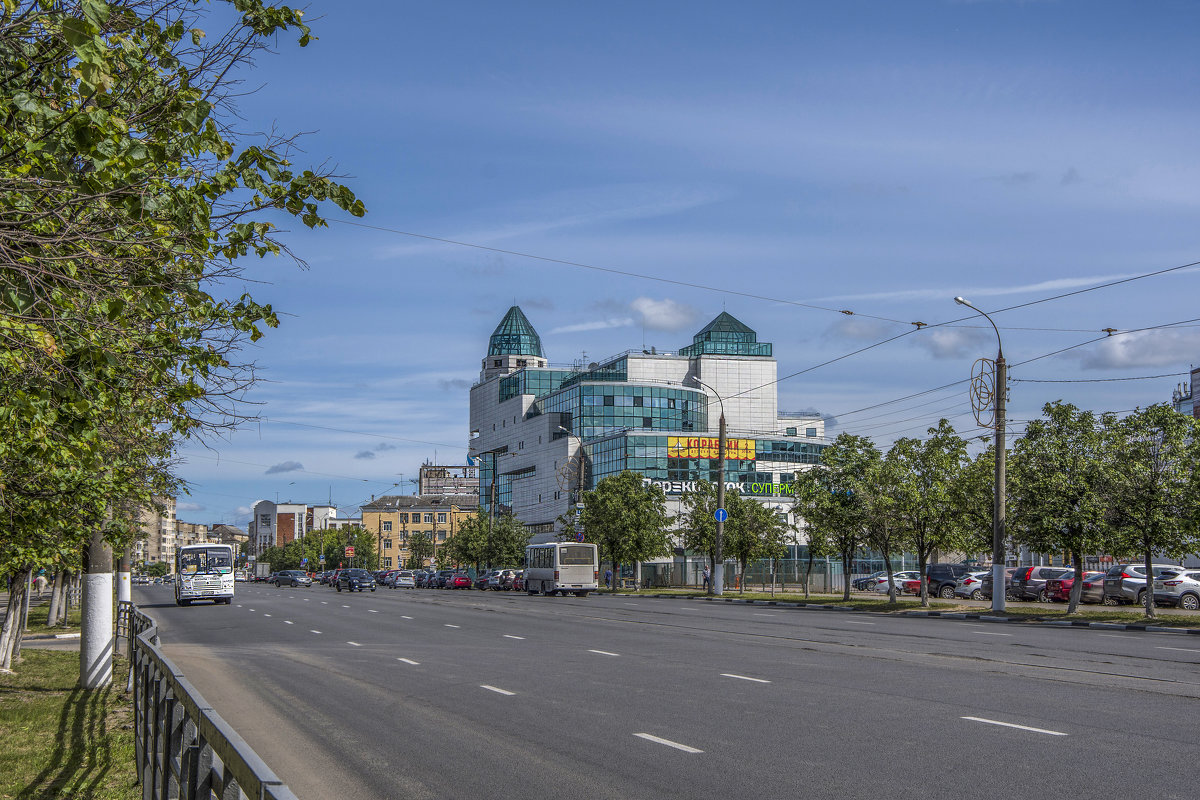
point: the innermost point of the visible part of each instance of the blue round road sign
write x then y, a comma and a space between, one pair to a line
720, 515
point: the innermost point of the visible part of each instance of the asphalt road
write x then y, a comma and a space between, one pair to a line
422, 694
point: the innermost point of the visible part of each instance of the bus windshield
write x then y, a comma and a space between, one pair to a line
572, 555
211, 560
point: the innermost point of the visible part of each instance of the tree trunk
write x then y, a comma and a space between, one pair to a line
887, 565
56, 592
11, 634
922, 564
808, 571
96, 643
1149, 587
1077, 586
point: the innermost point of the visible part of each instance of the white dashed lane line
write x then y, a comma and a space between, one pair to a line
757, 614
1179, 649
856, 622
345, 606
404, 616
510, 636
744, 677
266, 615
288, 622
448, 625
356, 644
373, 611
990, 633
1012, 725
409, 661
497, 690
659, 740
603, 653
312, 631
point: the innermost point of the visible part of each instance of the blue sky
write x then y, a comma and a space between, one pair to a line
878, 157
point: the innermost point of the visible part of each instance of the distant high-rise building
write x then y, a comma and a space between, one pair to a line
449, 480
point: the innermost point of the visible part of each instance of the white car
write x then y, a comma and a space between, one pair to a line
881, 583
968, 586
404, 580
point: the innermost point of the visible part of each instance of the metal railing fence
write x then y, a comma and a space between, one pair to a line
184, 749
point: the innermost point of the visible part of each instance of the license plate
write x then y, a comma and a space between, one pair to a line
1158, 585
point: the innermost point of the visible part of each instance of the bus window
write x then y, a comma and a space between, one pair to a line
574, 556
215, 560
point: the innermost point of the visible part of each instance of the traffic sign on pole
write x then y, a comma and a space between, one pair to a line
349, 551
720, 515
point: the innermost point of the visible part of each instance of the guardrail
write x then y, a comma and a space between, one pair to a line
184, 749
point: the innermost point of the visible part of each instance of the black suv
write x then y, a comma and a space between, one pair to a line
353, 579
942, 579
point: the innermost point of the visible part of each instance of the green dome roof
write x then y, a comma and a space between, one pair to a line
726, 335
514, 336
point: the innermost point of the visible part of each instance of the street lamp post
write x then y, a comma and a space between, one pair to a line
717, 586
998, 511
582, 462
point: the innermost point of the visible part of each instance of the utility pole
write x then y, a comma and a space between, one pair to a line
718, 576
96, 642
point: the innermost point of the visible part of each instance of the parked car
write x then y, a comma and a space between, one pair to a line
867, 582
911, 586
942, 579
985, 585
1093, 588
292, 577
1058, 590
438, 581
1029, 583
420, 577
459, 580
881, 585
1181, 589
403, 579
500, 579
354, 578
481, 579
518, 581
1126, 582
969, 586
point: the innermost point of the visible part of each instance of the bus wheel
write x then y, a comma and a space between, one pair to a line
581, 594
531, 592
548, 592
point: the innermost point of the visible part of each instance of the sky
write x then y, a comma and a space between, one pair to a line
784, 162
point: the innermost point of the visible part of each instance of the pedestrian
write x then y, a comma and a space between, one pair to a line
41, 585
608, 578
707, 576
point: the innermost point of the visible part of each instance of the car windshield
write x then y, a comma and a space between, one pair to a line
356, 573
211, 560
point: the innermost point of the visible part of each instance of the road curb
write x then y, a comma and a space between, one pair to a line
1072, 623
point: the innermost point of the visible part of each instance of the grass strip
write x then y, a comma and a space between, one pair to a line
38, 626
61, 741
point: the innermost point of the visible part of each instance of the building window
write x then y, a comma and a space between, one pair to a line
404, 538
429, 518
403, 518
441, 516
520, 445
790, 432
387, 544
441, 536
647, 422
609, 400
810, 432
498, 363
521, 362
387, 562
264, 520
387, 525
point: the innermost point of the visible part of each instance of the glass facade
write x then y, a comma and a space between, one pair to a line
515, 336
648, 455
726, 336
592, 410
537, 382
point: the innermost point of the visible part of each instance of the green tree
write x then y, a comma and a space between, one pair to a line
627, 520
925, 503
1154, 486
697, 525
156, 569
507, 541
882, 528
833, 498
1062, 470
753, 531
420, 548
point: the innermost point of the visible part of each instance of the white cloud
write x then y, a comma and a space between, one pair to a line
597, 325
1160, 348
663, 315
284, 466
189, 507
952, 342
364, 454
1055, 285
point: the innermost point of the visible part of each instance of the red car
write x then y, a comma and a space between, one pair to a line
1059, 589
458, 581
518, 581
911, 587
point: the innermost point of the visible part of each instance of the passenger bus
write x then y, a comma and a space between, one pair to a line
564, 567
204, 572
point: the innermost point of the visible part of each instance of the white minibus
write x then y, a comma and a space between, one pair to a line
564, 567
204, 572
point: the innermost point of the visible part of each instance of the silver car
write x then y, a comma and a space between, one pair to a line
1126, 583
403, 580
968, 586
1179, 589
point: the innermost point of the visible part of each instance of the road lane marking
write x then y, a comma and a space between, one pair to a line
356, 644
1180, 649
1018, 727
345, 606
410, 661
630, 604
510, 636
743, 677
266, 615
496, 689
373, 611
252, 609
658, 740
448, 625
288, 622
324, 602
856, 622
763, 615
312, 631
405, 616
603, 653
306, 599
990, 633
1119, 635
239, 605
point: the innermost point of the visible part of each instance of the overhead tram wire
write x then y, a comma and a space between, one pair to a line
1101, 380
625, 273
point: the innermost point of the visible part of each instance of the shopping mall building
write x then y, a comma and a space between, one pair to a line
542, 433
